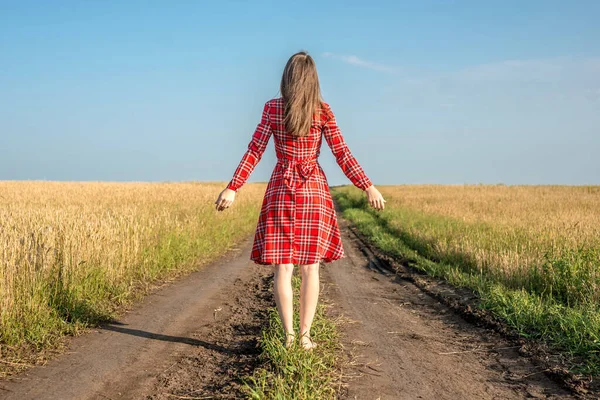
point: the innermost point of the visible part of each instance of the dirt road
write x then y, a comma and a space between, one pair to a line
123, 360
409, 346
193, 338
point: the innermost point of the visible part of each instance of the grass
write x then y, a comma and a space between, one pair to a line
532, 254
290, 374
74, 254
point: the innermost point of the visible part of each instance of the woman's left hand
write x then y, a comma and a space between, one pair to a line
226, 198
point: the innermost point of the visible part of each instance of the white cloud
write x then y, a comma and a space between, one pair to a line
359, 62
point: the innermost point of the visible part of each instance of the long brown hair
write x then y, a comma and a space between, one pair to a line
301, 93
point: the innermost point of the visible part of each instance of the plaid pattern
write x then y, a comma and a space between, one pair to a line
297, 222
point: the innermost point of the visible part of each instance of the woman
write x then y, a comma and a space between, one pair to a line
297, 223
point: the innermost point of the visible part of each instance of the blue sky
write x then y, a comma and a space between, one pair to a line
424, 91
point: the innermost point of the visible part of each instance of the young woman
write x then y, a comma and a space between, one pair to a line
297, 223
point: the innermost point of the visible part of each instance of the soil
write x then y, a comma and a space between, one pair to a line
406, 344
194, 338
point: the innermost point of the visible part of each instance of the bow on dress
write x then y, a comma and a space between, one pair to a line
304, 167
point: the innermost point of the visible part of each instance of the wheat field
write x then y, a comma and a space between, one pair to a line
509, 230
73, 253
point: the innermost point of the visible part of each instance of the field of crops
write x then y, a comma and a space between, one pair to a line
73, 253
531, 253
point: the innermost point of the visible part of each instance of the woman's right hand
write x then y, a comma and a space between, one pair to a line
375, 198
225, 199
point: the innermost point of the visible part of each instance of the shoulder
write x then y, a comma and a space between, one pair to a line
325, 112
273, 109
274, 104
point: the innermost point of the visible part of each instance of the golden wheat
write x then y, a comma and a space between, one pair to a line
69, 251
528, 222
505, 230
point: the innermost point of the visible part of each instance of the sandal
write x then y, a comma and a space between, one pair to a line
307, 345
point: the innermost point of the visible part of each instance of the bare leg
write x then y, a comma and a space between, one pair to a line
309, 296
282, 288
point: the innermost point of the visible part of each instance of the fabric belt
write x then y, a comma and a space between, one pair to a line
304, 167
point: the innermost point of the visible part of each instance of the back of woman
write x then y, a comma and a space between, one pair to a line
297, 224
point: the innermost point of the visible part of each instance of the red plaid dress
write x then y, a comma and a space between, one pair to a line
297, 222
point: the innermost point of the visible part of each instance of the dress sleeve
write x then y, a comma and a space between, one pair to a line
343, 156
256, 148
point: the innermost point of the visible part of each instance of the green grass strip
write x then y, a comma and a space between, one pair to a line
289, 374
572, 330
